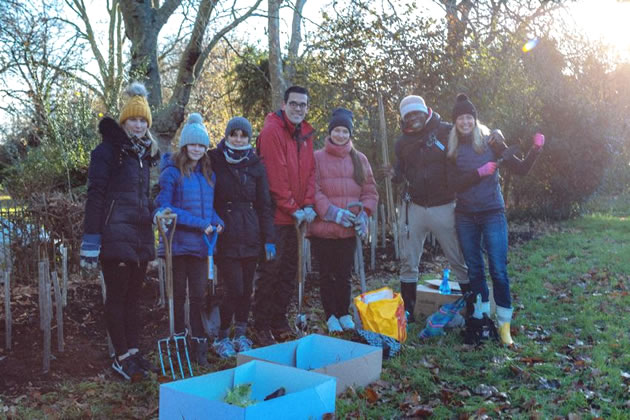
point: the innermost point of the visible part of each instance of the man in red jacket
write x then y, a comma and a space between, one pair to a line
286, 147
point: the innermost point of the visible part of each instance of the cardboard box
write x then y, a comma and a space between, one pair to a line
351, 363
429, 299
309, 394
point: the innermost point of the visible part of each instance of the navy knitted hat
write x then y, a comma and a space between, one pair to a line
340, 117
239, 123
194, 132
463, 106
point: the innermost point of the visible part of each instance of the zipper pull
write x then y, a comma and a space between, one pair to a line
140, 161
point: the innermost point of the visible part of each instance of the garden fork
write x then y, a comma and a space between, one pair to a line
166, 225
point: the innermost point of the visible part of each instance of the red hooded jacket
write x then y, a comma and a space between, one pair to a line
288, 159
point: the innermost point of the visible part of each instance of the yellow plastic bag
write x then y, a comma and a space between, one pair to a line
383, 311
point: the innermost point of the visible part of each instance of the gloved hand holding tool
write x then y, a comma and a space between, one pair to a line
309, 214
169, 221
299, 216
361, 225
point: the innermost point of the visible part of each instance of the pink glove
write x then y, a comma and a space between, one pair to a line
487, 169
539, 141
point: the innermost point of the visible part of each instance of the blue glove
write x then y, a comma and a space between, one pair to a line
345, 218
90, 249
162, 212
361, 225
309, 214
270, 251
299, 215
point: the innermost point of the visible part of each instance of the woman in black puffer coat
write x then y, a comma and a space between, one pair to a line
243, 201
118, 229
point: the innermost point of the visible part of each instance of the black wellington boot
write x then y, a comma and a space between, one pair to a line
408, 292
470, 302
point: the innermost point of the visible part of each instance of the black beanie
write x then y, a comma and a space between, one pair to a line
463, 106
340, 117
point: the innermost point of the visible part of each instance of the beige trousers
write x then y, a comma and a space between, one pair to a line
440, 221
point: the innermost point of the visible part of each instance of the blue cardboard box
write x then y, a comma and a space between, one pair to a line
308, 394
353, 364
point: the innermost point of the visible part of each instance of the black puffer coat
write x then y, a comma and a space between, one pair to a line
118, 206
243, 201
422, 164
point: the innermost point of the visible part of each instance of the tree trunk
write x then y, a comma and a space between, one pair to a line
143, 22
276, 76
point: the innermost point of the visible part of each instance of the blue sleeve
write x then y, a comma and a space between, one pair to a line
166, 198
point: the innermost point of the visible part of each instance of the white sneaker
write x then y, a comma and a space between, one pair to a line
333, 324
346, 322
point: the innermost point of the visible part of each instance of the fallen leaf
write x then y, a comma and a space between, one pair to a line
370, 395
421, 411
532, 360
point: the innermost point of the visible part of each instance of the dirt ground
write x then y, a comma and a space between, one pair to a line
86, 352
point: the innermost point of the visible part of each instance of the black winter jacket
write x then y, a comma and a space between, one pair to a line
422, 164
243, 201
118, 206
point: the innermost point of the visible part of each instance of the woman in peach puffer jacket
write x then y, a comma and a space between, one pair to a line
343, 176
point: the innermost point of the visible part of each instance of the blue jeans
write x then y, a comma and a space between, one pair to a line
491, 228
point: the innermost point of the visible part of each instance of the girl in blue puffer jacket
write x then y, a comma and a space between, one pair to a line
187, 188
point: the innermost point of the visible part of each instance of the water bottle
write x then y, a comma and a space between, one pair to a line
445, 288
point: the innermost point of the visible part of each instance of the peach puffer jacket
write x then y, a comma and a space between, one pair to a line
335, 185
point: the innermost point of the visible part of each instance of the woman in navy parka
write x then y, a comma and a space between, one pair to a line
117, 225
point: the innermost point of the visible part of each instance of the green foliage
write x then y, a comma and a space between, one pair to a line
240, 395
60, 161
251, 75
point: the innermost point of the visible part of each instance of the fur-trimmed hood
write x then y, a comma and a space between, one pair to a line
113, 133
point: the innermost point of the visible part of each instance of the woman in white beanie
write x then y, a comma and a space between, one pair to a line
187, 188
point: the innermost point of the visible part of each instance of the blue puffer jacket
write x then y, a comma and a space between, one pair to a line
192, 199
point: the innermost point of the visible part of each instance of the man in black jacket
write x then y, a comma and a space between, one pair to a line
428, 203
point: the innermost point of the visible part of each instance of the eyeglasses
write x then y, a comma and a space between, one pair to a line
298, 105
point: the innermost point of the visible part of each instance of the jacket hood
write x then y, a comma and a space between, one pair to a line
166, 161
113, 133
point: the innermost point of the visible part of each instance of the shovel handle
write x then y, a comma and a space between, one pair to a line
167, 239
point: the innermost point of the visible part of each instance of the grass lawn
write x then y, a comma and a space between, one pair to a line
572, 326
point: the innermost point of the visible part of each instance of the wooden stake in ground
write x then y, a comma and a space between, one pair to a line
381, 211
64, 274
59, 306
389, 192
45, 312
373, 239
8, 321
